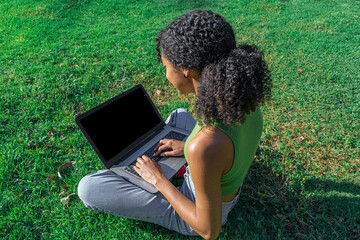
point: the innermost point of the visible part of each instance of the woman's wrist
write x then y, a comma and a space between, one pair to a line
160, 182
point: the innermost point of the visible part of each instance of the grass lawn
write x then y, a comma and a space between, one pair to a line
59, 58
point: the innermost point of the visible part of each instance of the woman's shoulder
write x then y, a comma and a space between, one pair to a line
210, 143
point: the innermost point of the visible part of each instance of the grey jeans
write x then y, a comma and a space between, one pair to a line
108, 192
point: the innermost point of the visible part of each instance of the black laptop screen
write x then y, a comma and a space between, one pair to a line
116, 126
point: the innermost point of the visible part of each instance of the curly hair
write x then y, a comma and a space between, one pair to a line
233, 81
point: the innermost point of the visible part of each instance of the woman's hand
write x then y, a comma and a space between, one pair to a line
176, 146
149, 170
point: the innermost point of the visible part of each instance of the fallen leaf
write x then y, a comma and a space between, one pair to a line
158, 92
66, 165
71, 196
290, 112
58, 151
66, 200
63, 193
300, 70
51, 177
65, 187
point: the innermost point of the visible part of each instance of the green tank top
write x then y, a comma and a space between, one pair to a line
245, 137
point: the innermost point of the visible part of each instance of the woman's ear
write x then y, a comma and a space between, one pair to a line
186, 72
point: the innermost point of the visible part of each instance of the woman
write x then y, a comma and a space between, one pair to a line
199, 53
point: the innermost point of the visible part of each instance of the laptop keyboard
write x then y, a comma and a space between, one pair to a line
150, 152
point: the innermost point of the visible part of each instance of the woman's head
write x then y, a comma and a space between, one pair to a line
231, 81
195, 40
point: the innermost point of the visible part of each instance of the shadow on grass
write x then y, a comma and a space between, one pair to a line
333, 208
268, 208
265, 200
313, 208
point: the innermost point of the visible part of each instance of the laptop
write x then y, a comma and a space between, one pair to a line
126, 127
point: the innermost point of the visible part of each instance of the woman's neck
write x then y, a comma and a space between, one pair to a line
195, 77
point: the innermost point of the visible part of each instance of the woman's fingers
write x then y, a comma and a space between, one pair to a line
162, 148
139, 162
158, 145
168, 153
162, 145
161, 142
176, 147
146, 158
142, 159
148, 169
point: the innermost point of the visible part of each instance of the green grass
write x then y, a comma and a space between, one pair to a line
61, 58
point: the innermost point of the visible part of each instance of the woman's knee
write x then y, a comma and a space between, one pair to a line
85, 189
181, 118
91, 187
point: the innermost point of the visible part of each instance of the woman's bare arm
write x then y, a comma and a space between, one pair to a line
207, 156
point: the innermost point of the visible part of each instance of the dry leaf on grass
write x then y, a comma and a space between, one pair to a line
51, 177
71, 196
290, 112
65, 187
66, 200
63, 193
65, 166
158, 92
